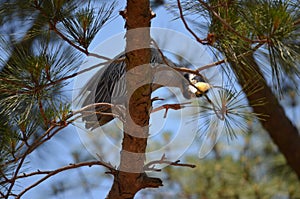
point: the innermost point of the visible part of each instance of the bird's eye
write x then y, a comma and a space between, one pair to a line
199, 85
186, 76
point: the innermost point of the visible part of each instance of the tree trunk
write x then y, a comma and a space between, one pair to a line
130, 177
284, 134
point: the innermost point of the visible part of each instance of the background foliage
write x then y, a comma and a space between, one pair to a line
44, 42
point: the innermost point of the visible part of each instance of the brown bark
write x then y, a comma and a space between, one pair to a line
284, 134
130, 177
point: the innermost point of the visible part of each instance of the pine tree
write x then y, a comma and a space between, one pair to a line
43, 43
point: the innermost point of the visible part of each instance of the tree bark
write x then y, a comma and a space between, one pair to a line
284, 134
130, 177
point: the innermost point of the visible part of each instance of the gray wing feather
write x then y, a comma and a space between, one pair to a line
103, 84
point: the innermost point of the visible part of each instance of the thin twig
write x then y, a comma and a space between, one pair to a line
210, 65
160, 52
187, 70
46, 137
99, 56
53, 27
54, 172
92, 106
179, 69
151, 165
13, 179
170, 106
41, 87
225, 60
42, 111
297, 22
38, 172
186, 25
17, 158
85, 110
82, 71
23, 157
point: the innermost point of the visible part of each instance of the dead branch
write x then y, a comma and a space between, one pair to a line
170, 106
187, 27
151, 165
54, 172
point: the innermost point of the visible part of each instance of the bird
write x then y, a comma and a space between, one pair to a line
110, 88
198, 85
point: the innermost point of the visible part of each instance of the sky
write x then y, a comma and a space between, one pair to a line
56, 153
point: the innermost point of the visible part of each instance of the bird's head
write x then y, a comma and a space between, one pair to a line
198, 85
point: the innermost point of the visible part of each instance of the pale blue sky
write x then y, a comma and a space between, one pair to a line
56, 153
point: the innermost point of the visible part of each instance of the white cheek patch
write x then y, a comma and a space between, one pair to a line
192, 89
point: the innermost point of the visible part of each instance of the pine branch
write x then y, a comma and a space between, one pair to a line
209, 8
57, 171
62, 36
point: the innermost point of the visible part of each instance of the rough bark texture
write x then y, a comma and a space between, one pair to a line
284, 134
131, 178
224, 24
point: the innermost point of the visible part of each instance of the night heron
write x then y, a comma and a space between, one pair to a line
109, 88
